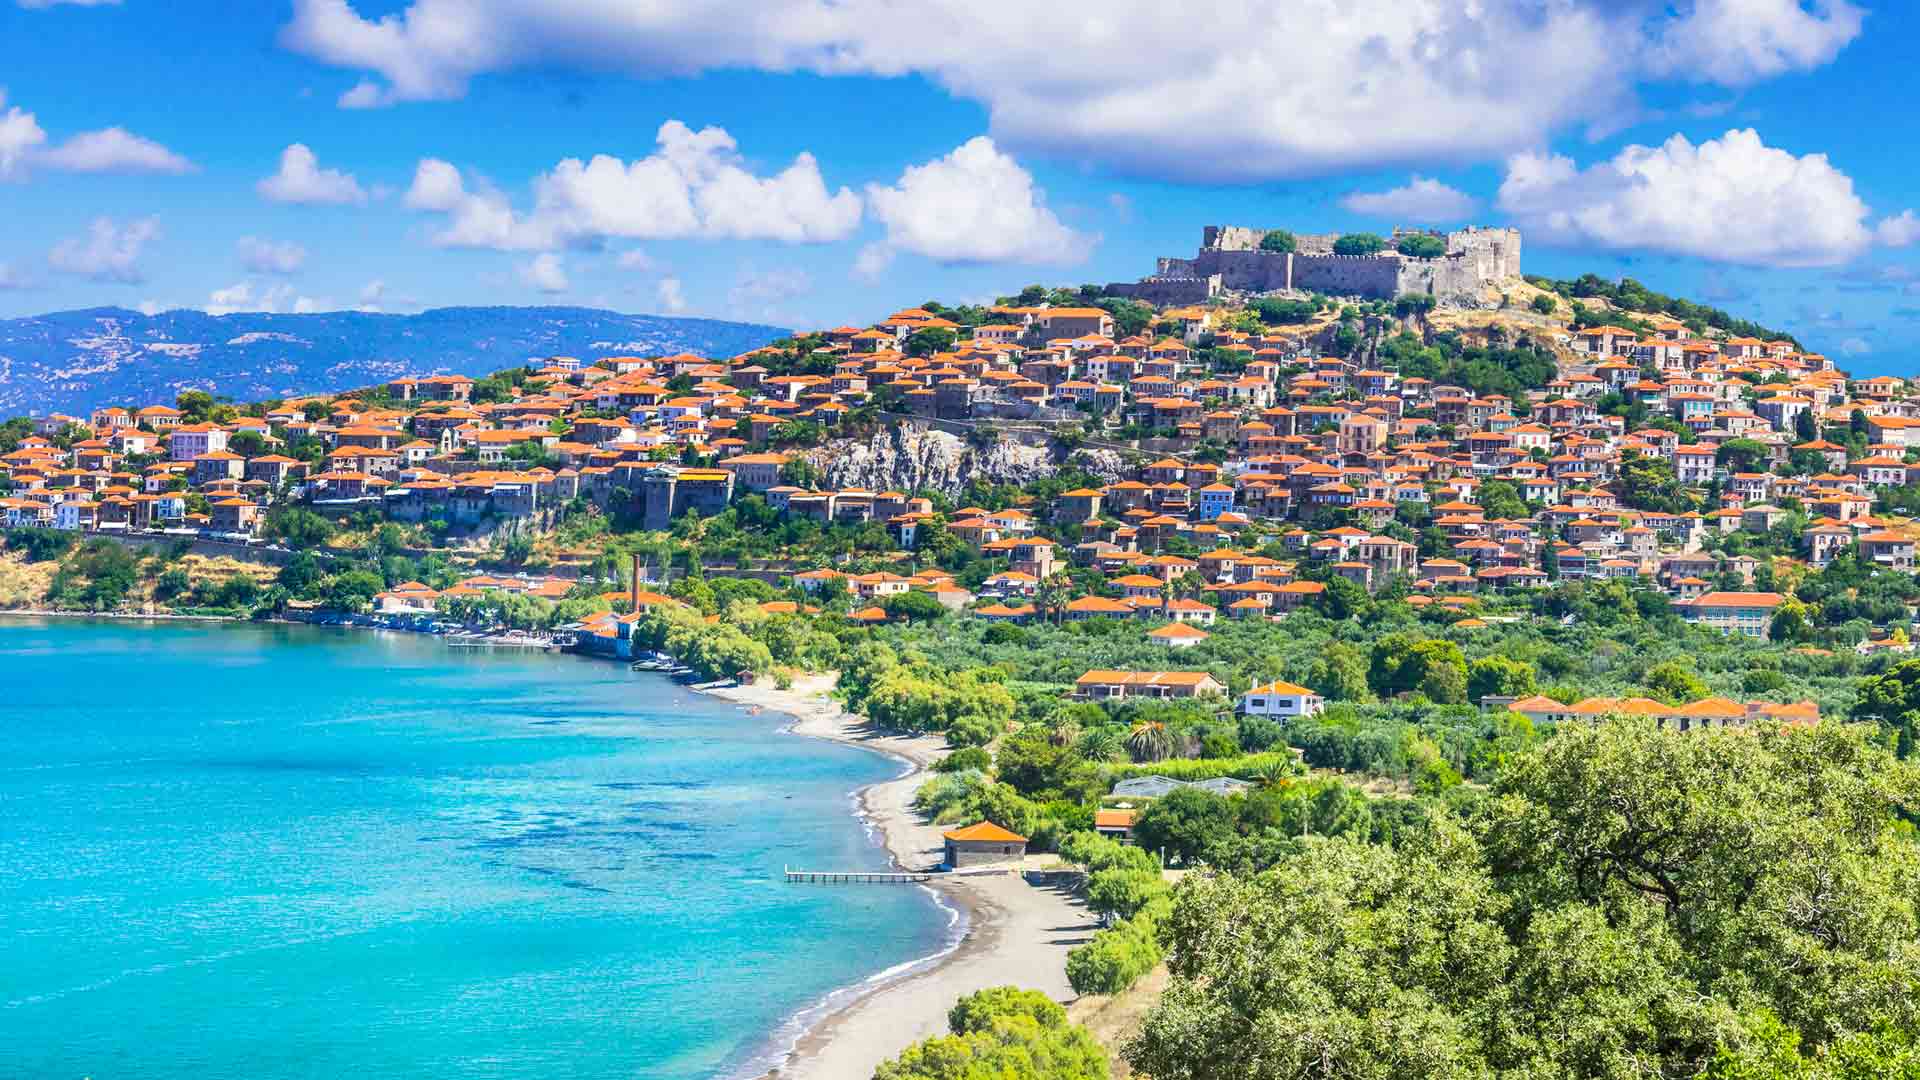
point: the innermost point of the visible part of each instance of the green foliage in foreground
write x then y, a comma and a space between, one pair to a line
1118, 955
1003, 1033
1631, 902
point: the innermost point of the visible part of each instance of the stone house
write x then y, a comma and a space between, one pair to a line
984, 844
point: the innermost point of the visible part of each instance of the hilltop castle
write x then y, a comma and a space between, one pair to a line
1231, 260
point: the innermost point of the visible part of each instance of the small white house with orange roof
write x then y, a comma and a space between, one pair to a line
1281, 700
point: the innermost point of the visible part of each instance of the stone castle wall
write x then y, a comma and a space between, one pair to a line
1352, 275
1230, 259
1168, 290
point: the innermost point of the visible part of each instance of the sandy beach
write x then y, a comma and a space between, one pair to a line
1016, 933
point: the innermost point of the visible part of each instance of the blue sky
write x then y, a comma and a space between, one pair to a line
812, 163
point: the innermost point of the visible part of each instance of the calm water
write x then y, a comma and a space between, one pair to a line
231, 851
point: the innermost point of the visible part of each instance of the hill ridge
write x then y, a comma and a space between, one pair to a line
83, 358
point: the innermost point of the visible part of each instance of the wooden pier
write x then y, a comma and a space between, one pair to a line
855, 877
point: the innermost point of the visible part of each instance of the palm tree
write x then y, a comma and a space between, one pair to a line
1066, 732
1051, 597
1102, 744
1150, 742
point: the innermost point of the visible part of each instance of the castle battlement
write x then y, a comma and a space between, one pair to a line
1230, 259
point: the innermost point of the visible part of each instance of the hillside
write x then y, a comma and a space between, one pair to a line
73, 361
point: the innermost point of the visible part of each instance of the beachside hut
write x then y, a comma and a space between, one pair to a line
985, 844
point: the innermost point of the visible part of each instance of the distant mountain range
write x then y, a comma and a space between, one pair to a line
75, 361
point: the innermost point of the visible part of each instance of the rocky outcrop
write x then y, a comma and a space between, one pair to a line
908, 456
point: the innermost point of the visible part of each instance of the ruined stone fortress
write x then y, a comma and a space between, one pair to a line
1230, 260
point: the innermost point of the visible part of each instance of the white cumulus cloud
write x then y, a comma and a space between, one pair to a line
107, 251
1737, 42
975, 205
264, 256
301, 180
112, 150
694, 185
1422, 199
23, 147
544, 272
1732, 199
671, 295
280, 298
1253, 90
20, 135
1900, 230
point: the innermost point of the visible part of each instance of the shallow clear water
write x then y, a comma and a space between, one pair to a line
285, 852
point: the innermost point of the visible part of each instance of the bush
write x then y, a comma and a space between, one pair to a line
1003, 1032
967, 757
1123, 893
1258, 733
1098, 853
1116, 957
40, 545
1544, 304
1217, 746
1245, 767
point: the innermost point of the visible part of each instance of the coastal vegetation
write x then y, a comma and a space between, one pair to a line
1627, 901
1003, 1033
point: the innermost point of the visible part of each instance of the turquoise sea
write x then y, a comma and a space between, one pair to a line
261, 851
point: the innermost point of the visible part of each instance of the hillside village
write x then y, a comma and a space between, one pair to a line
1661, 454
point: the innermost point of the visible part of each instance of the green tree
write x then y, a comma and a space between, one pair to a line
1891, 702
1633, 902
1002, 1034
1674, 683
196, 406
1650, 483
1360, 244
1340, 673
800, 472
1150, 741
352, 590
978, 1010
1184, 823
1741, 455
1499, 499
914, 606
1421, 246
1499, 676
1793, 621
248, 444
1122, 893
1279, 240
1544, 304
1116, 957
929, 340
297, 528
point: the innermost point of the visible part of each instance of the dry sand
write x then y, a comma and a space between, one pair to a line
1017, 933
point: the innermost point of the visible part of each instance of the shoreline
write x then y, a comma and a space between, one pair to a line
1010, 931
136, 616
